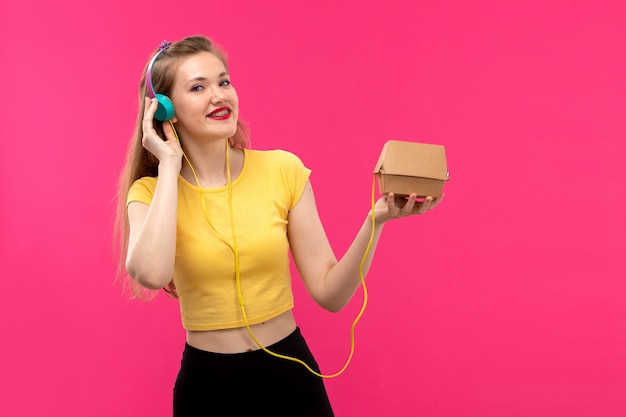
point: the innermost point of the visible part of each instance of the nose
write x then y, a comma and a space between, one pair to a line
219, 97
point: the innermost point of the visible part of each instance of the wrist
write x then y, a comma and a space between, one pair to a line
379, 218
170, 165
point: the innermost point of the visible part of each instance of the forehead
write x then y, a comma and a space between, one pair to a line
200, 65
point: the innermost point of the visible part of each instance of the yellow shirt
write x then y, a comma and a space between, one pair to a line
269, 185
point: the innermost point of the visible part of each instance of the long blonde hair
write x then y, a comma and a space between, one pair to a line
141, 163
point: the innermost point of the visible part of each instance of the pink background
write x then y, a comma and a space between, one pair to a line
508, 300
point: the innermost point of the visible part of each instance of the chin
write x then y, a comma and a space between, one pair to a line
233, 130
221, 132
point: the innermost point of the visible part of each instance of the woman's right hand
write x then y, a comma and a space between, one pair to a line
164, 149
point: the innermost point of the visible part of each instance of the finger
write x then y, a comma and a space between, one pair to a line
410, 205
168, 131
392, 207
147, 103
150, 106
436, 201
402, 200
425, 205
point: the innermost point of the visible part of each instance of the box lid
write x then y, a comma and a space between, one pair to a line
413, 160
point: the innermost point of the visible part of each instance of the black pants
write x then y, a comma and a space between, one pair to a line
251, 383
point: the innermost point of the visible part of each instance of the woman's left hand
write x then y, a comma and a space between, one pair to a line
391, 207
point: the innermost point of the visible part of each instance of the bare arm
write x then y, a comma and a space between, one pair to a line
152, 239
332, 282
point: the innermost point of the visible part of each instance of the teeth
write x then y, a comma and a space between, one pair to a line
220, 113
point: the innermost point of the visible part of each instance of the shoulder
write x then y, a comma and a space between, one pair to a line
285, 170
142, 190
278, 157
147, 183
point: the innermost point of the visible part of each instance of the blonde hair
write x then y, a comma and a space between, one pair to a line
141, 163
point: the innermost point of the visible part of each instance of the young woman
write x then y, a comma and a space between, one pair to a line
213, 223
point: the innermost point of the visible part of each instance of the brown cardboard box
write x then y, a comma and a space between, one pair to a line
408, 167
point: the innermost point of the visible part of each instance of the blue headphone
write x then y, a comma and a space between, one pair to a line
165, 109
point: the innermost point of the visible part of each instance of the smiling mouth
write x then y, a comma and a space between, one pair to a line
221, 113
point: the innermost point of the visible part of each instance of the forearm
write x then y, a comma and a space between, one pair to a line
344, 278
152, 247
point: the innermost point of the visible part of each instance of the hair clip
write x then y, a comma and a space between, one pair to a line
164, 45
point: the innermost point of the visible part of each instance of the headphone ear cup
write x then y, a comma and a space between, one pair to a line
165, 108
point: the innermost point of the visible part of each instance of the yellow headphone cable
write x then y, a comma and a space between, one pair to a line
235, 248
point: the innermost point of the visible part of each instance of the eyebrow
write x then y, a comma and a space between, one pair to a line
201, 78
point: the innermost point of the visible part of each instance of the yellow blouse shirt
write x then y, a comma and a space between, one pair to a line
269, 185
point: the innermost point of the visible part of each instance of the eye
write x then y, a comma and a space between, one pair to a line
197, 88
225, 83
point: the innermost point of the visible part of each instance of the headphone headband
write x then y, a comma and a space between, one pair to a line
165, 109
162, 47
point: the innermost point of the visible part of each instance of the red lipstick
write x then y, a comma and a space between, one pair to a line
221, 113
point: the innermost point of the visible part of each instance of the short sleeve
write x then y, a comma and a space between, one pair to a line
142, 190
295, 174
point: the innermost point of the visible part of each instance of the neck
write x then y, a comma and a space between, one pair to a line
209, 163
